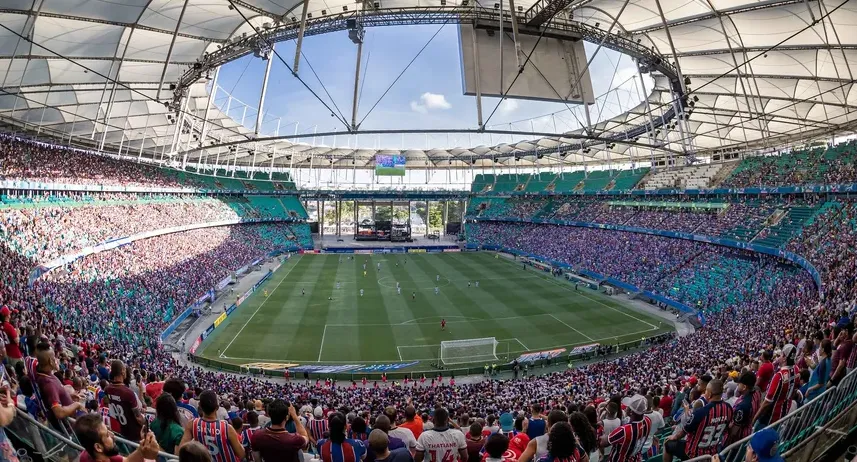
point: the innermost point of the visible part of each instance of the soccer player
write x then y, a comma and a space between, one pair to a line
379, 266
302, 291
437, 278
477, 283
364, 267
414, 296
397, 284
266, 292
364, 273
217, 435
436, 290
337, 285
443, 324
706, 429
440, 444
468, 283
361, 292
398, 291
783, 385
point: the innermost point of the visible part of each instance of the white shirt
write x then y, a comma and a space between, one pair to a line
657, 425
609, 426
441, 446
406, 435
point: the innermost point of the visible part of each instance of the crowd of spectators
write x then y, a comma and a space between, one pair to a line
95, 322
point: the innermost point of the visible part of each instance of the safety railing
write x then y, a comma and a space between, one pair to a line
810, 430
51, 444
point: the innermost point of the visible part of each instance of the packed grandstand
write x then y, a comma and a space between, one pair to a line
112, 306
667, 254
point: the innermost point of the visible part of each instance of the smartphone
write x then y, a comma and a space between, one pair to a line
145, 426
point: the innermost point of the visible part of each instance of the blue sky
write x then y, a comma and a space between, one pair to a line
428, 95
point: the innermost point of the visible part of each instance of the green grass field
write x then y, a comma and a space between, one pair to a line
524, 310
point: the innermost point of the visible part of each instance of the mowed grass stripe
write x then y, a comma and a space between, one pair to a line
533, 296
272, 331
226, 332
469, 297
573, 308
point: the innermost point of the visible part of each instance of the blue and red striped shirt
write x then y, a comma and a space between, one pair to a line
628, 440
214, 435
348, 451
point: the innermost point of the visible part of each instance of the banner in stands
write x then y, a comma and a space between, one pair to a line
549, 354
387, 250
582, 349
322, 369
223, 283
220, 319
416, 250
387, 367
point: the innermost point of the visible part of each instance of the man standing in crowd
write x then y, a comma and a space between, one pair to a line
396, 433
746, 405
705, 430
628, 440
125, 408
55, 397
781, 388
338, 448
176, 389
275, 443
217, 435
441, 443
413, 422
317, 426
537, 422
844, 349
13, 348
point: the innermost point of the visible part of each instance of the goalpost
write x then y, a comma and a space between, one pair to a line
468, 351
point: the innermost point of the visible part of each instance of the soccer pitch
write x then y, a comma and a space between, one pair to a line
305, 318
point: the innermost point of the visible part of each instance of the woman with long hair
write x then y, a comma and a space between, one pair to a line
167, 427
585, 433
563, 446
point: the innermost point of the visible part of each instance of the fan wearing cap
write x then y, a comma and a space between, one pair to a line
746, 405
705, 431
628, 440
782, 387
763, 447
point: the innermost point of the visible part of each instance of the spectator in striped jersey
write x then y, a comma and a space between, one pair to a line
338, 448
705, 431
629, 439
317, 426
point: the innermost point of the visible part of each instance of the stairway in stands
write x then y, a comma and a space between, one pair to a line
795, 218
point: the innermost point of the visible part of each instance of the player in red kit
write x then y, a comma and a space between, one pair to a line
443, 324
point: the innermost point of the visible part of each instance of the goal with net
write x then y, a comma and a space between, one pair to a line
472, 350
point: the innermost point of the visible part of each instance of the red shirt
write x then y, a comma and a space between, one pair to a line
666, 404
12, 349
154, 389
763, 376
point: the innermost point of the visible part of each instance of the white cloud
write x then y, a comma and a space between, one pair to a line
508, 106
429, 101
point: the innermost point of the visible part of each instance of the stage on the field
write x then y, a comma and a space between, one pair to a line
305, 318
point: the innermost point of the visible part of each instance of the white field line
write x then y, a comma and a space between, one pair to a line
223, 354
398, 350
572, 328
438, 318
522, 344
321, 347
280, 360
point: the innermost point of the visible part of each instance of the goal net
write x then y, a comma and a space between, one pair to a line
468, 351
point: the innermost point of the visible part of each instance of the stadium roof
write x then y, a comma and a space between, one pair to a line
762, 73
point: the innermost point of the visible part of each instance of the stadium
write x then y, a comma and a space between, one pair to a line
573, 230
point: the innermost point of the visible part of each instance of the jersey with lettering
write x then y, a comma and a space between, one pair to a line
441, 445
214, 435
628, 440
707, 429
123, 403
348, 451
743, 411
783, 385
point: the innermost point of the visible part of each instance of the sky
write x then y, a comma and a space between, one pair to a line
428, 95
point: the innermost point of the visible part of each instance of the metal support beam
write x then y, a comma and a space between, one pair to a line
356, 86
300, 39
476, 78
170, 50
260, 113
514, 21
211, 96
